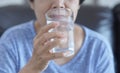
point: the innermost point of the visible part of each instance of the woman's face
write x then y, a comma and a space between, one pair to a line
40, 7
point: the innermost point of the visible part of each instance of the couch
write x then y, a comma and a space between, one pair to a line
99, 19
116, 15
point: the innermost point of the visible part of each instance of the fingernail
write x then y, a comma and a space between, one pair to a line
51, 51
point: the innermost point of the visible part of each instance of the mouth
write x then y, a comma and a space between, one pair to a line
59, 13
57, 16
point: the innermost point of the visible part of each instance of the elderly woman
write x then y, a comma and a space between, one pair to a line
25, 48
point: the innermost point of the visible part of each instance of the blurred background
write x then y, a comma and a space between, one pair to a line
108, 3
102, 16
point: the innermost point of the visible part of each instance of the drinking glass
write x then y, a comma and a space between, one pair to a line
64, 17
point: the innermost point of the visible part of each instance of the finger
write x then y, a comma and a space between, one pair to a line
46, 28
42, 40
51, 44
40, 50
42, 46
48, 36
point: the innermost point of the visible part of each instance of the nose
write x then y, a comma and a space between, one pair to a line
58, 4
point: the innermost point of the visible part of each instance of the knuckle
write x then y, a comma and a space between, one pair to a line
55, 42
58, 41
37, 44
43, 28
44, 36
49, 26
49, 45
57, 33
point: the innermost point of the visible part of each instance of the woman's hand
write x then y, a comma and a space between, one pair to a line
42, 46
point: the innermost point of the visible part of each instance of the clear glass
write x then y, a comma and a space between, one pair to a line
64, 17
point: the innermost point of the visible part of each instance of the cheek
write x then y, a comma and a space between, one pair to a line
74, 5
75, 10
40, 13
74, 2
40, 17
75, 14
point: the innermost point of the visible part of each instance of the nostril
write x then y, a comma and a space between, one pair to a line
57, 7
54, 7
61, 7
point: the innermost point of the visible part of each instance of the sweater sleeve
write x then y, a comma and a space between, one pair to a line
105, 63
8, 55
